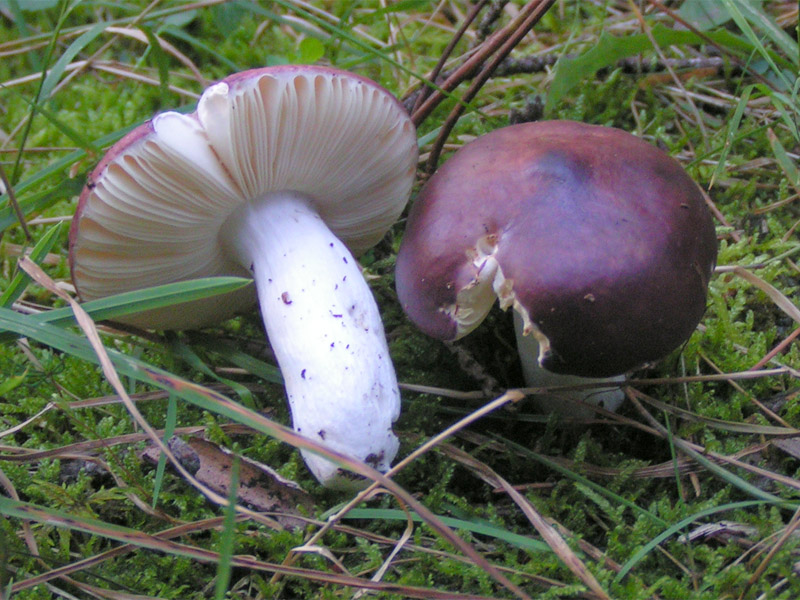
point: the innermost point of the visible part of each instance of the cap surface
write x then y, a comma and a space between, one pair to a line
600, 239
152, 209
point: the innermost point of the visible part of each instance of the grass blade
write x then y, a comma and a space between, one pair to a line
37, 255
241, 359
787, 164
743, 24
227, 542
57, 70
479, 527
162, 63
188, 355
733, 128
755, 15
169, 429
727, 476
129, 303
640, 554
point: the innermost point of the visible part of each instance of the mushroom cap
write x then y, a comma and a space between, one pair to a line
152, 209
602, 242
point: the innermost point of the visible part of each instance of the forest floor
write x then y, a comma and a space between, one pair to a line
690, 490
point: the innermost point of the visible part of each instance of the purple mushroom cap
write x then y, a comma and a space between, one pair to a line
600, 241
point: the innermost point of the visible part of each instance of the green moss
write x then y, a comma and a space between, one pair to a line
740, 327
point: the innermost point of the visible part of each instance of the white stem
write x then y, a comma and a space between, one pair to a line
325, 329
562, 402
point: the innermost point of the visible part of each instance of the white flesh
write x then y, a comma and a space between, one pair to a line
325, 329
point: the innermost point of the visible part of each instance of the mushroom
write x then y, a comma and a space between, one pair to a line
600, 242
284, 174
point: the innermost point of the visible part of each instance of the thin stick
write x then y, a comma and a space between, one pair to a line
12, 201
776, 350
531, 14
470, 66
427, 90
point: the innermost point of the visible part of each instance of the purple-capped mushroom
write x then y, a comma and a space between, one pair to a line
284, 174
600, 242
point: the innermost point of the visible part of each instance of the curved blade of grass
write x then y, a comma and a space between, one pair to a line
241, 359
70, 132
169, 428
778, 298
786, 164
753, 13
57, 70
673, 529
129, 303
750, 428
189, 356
728, 476
161, 60
733, 128
37, 254
67, 188
474, 526
733, 8
228, 540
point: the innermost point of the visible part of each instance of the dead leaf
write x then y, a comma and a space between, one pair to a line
260, 487
789, 445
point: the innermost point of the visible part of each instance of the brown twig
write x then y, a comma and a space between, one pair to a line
427, 90
776, 350
12, 201
470, 66
489, 19
529, 16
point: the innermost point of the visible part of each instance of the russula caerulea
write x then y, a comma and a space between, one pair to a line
600, 242
284, 174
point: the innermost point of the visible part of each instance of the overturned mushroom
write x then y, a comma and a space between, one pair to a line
285, 173
600, 242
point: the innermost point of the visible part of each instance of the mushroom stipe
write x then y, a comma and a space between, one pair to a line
285, 173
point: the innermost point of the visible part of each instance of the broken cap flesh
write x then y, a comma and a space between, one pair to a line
283, 174
601, 243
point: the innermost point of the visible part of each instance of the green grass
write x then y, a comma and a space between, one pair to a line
697, 445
